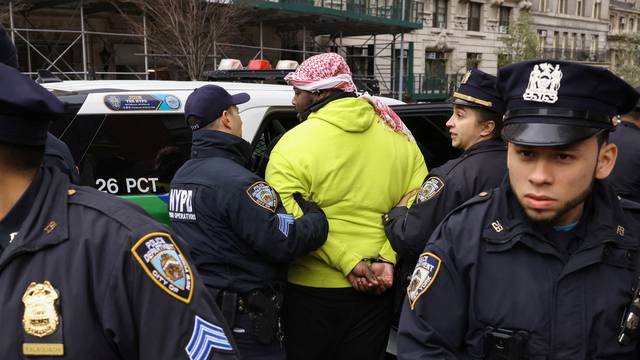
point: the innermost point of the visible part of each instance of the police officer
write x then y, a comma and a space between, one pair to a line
240, 234
625, 176
541, 267
475, 128
83, 274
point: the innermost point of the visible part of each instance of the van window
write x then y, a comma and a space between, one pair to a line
277, 121
136, 154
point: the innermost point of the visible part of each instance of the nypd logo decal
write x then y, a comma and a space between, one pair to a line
263, 195
423, 276
429, 189
163, 261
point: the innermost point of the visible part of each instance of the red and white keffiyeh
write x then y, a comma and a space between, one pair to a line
330, 71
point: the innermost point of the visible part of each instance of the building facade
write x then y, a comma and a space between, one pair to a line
623, 22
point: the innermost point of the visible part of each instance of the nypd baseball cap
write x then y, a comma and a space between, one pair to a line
554, 103
478, 89
207, 103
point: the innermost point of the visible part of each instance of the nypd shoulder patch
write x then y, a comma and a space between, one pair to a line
431, 187
204, 338
163, 261
423, 276
284, 222
263, 195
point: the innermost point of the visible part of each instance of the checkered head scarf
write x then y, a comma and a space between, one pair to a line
330, 71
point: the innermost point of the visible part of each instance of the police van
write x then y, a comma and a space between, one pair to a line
129, 137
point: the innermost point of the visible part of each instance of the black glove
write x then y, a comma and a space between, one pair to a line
307, 207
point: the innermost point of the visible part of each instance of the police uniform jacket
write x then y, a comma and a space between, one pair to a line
481, 167
78, 281
625, 176
486, 267
241, 236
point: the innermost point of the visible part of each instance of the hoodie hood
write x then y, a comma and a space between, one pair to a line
349, 114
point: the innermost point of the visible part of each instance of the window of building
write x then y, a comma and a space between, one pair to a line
542, 5
474, 16
594, 44
580, 8
473, 60
632, 25
440, 14
542, 39
583, 41
503, 24
621, 24
596, 9
562, 6
556, 45
564, 46
612, 21
574, 41
360, 60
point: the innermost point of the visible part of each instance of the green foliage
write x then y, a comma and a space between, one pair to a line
520, 43
628, 56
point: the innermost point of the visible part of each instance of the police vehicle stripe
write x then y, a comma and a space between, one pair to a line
204, 338
284, 221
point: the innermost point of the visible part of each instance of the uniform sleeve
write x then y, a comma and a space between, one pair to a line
156, 307
265, 226
287, 181
433, 322
409, 229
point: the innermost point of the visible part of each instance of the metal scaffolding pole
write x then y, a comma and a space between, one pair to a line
84, 44
261, 44
146, 57
13, 36
401, 66
304, 43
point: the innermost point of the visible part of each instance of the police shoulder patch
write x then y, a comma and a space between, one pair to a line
423, 276
263, 195
429, 189
165, 264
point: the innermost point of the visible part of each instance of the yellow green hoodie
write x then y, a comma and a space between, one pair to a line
344, 158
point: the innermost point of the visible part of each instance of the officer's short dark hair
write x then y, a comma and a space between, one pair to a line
485, 115
603, 137
21, 157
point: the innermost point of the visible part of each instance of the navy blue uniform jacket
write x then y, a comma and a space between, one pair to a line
241, 236
487, 266
111, 300
625, 176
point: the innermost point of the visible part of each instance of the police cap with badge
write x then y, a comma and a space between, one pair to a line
555, 103
26, 109
478, 89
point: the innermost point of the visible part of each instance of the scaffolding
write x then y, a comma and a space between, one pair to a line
79, 12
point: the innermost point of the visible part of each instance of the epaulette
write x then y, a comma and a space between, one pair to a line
629, 204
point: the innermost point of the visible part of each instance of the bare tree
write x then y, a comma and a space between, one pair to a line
184, 29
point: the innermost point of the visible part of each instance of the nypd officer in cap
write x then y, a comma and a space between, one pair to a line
240, 234
83, 274
543, 266
625, 176
475, 128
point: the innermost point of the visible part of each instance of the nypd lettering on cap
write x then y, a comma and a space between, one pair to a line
163, 261
263, 195
423, 276
204, 338
284, 222
429, 189
544, 83
181, 205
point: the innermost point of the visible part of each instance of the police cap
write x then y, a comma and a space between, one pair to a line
554, 103
26, 108
478, 89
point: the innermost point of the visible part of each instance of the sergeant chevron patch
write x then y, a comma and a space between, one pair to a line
284, 221
204, 338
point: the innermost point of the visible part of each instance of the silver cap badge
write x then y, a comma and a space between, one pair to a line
544, 83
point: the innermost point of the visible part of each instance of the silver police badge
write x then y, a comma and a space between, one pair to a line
429, 189
544, 83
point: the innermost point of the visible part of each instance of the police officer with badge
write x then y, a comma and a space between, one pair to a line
240, 234
83, 274
543, 266
475, 128
625, 176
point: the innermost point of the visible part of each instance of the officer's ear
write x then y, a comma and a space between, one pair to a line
225, 120
487, 128
607, 156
